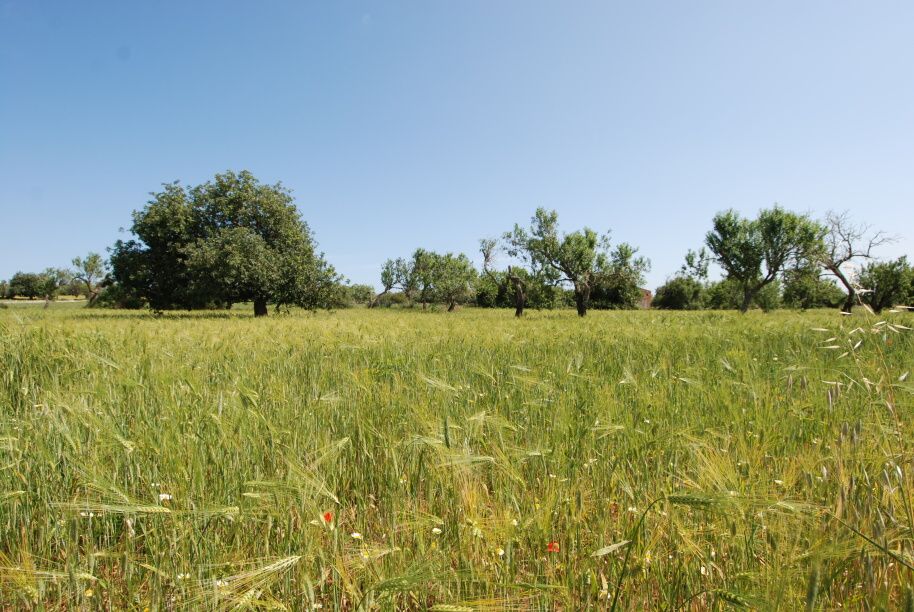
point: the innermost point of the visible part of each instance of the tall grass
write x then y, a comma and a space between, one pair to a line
470, 461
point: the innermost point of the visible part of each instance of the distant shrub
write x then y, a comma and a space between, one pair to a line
680, 293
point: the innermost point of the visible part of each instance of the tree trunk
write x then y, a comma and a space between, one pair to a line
260, 307
747, 301
520, 295
582, 299
849, 302
851, 292
92, 297
520, 300
451, 306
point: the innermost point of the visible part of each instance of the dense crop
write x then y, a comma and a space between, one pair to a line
468, 461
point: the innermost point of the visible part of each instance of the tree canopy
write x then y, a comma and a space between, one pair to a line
754, 252
231, 239
581, 258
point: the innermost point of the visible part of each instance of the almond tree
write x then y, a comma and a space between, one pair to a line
487, 246
89, 271
845, 243
754, 252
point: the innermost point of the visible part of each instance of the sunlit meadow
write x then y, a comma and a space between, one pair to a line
386, 460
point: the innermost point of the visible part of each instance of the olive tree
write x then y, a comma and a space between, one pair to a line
754, 252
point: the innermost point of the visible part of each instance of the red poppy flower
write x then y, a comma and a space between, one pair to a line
552, 547
328, 517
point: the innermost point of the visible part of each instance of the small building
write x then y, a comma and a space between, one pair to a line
646, 298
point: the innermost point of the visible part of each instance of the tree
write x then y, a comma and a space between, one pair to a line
229, 240
403, 274
4, 289
845, 243
696, 265
52, 279
885, 284
360, 294
576, 258
393, 274
518, 280
451, 278
805, 288
152, 268
618, 284
25, 284
754, 252
430, 277
89, 272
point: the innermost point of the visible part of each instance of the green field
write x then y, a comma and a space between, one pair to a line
466, 461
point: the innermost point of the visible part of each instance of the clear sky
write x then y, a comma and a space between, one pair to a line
405, 124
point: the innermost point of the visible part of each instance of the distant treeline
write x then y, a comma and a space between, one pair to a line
235, 240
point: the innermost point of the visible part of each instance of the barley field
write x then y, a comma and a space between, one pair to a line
410, 460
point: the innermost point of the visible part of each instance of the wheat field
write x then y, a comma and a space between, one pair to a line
410, 460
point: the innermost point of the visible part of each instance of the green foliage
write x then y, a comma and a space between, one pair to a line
229, 240
581, 259
680, 293
727, 294
886, 284
89, 272
618, 284
429, 277
754, 252
52, 280
4, 289
359, 295
451, 278
493, 291
804, 287
26, 284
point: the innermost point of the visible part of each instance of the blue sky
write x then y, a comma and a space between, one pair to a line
434, 124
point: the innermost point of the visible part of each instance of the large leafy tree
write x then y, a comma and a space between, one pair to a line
430, 277
804, 287
152, 267
26, 284
619, 283
885, 284
452, 278
754, 252
576, 258
228, 240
